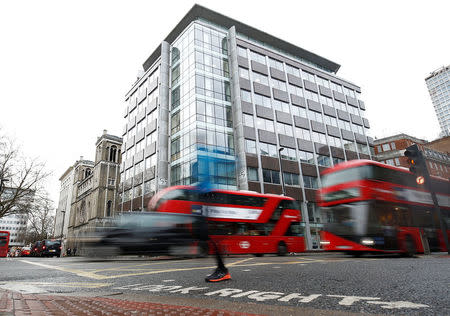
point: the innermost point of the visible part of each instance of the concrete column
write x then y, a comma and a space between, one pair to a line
162, 170
305, 217
239, 141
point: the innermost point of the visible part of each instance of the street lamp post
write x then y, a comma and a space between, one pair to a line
281, 170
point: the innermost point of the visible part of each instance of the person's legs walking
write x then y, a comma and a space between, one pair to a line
221, 273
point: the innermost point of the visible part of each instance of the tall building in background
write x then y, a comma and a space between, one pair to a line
438, 83
218, 89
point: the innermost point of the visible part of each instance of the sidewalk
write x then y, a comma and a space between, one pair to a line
13, 303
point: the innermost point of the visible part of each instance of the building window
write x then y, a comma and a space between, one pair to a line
175, 97
293, 71
284, 129
303, 133
252, 174
379, 149
323, 160
271, 176
246, 96
276, 64
393, 146
250, 146
258, 57
281, 106
308, 76
262, 79
248, 120
386, 147
288, 153
241, 51
278, 84
264, 124
244, 73
306, 157
291, 179
298, 111
268, 150
108, 208
262, 100
310, 182
319, 138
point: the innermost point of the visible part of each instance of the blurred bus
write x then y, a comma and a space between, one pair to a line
4, 243
372, 207
240, 221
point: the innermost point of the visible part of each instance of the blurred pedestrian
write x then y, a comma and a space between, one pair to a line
74, 251
68, 252
221, 273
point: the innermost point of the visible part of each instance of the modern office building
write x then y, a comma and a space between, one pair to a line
16, 223
390, 150
438, 83
218, 89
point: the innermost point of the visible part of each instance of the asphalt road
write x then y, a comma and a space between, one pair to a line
318, 283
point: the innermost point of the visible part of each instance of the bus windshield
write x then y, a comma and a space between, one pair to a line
347, 175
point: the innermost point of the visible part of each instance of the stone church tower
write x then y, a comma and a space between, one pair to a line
94, 197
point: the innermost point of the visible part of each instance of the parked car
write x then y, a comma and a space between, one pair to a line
36, 248
50, 248
139, 233
25, 252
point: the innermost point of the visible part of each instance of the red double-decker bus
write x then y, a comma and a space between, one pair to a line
372, 207
240, 221
4, 243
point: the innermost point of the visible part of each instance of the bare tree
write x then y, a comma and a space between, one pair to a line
40, 218
20, 178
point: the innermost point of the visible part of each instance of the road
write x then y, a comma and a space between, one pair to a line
271, 285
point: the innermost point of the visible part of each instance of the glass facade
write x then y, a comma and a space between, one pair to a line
290, 103
201, 138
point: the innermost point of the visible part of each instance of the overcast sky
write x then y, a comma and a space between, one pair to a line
65, 66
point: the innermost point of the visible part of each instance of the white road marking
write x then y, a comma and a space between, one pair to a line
261, 296
276, 267
350, 300
246, 270
168, 280
399, 304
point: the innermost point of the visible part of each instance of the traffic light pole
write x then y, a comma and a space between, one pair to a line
437, 209
418, 166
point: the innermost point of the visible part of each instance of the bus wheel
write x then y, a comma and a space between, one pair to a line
409, 247
258, 254
282, 249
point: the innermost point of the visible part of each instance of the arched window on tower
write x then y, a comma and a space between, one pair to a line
108, 208
87, 173
112, 153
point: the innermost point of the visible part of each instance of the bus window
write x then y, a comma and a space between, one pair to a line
346, 175
289, 204
423, 218
295, 229
402, 216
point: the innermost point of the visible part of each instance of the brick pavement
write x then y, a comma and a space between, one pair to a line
17, 304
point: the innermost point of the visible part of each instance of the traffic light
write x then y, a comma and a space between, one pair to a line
416, 162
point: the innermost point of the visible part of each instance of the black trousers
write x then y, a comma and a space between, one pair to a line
219, 260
